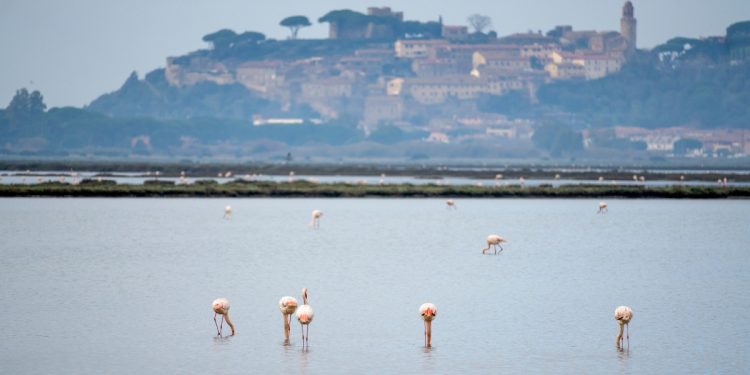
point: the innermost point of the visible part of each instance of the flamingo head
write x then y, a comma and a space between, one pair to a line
428, 311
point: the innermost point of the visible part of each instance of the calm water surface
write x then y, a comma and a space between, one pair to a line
125, 285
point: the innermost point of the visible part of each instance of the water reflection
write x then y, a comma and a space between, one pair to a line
428, 359
222, 341
623, 355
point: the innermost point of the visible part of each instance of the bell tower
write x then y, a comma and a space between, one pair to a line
628, 26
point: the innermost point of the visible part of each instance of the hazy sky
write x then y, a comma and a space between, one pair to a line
75, 50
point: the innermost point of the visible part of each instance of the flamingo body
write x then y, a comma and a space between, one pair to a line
494, 241
316, 214
428, 311
221, 307
623, 315
287, 305
305, 316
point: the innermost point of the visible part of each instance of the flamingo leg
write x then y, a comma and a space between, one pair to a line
627, 333
303, 334
217, 326
221, 327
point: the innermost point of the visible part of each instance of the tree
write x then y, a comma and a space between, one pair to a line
479, 22
557, 139
294, 23
221, 39
24, 106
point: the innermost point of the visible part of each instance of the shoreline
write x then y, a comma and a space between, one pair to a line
304, 189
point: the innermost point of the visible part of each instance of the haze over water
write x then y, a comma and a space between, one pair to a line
125, 285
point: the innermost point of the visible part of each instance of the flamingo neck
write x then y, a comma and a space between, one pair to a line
620, 331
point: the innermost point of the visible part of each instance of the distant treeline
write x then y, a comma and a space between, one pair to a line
153, 188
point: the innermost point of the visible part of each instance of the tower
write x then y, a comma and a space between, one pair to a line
628, 26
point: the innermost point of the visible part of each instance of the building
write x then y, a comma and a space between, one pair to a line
566, 65
455, 33
190, 71
260, 76
383, 108
628, 25
565, 71
436, 90
327, 88
355, 26
509, 61
436, 67
418, 48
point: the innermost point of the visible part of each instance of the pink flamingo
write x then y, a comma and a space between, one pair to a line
305, 316
623, 315
602, 207
221, 306
428, 312
494, 241
450, 203
316, 214
287, 305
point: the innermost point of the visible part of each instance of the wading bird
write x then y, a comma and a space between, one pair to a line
228, 212
494, 241
304, 317
602, 207
623, 315
450, 203
428, 312
287, 305
316, 214
221, 306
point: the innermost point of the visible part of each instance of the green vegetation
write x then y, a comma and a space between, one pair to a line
654, 94
308, 189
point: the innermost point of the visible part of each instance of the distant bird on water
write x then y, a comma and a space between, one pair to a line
287, 305
221, 306
602, 207
494, 241
316, 214
428, 312
450, 203
305, 316
228, 212
623, 315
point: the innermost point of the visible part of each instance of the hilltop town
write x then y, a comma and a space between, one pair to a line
381, 78
431, 67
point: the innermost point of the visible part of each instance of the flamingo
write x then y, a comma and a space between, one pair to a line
228, 212
428, 312
305, 316
316, 214
450, 203
221, 306
602, 207
623, 315
287, 305
493, 240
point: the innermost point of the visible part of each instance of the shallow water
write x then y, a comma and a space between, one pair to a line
125, 285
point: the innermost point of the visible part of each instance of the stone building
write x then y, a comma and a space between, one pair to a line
628, 25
